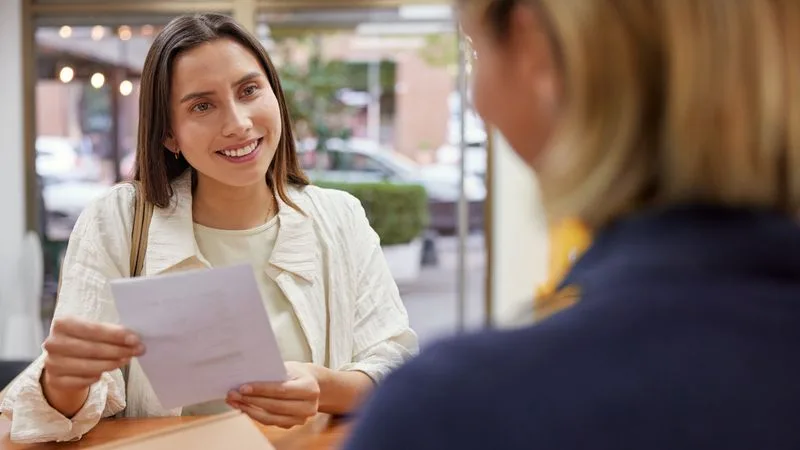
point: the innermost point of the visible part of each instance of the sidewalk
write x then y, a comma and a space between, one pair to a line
431, 300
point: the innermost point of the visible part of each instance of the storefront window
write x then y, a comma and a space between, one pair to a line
374, 99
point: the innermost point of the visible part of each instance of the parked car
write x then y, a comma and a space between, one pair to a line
64, 200
475, 161
362, 161
55, 157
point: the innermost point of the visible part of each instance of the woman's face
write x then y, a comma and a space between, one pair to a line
225, 118
515, 80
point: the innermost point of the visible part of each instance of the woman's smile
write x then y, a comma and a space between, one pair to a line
242, 153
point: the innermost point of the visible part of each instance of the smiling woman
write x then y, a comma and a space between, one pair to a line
222, 95
217, 159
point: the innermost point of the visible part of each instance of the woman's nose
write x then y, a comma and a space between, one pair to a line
237, 121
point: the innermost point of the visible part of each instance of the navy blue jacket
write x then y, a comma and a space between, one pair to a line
686, 336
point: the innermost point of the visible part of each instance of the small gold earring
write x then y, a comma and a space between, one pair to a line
177, 154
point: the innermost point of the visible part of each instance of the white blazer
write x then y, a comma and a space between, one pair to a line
328, 263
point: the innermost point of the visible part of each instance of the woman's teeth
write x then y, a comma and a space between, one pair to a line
239, 152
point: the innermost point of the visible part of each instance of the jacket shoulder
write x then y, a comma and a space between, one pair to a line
328, 204
331, 197
111, 213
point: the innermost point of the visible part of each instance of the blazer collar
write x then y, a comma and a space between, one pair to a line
171, 240
691, 238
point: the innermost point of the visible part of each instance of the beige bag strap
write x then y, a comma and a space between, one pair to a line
142, 213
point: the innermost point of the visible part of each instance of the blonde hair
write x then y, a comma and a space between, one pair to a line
671, 101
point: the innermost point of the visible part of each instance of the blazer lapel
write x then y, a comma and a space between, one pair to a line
296, 265
171, 237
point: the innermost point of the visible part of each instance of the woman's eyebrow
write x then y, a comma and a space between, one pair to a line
196, 95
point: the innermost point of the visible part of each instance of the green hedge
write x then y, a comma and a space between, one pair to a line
397, 212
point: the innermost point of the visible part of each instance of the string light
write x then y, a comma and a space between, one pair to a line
125, 32
125, 88
66, 74
98, 32
98, 80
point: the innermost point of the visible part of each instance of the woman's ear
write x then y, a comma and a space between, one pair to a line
171, 144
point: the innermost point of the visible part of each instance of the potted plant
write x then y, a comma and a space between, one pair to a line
399, 215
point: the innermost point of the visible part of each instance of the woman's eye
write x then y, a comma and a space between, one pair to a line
201, 107
250, 90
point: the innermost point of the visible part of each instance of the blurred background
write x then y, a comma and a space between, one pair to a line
378, 92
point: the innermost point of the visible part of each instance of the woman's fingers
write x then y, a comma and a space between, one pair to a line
71, 346
294, 408
61, 366
95, 331
305, 388
267, 418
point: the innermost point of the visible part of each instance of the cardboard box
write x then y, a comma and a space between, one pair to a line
233, 430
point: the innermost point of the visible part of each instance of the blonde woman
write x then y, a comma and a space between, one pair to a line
672, 128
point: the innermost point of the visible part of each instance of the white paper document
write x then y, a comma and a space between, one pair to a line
206, 332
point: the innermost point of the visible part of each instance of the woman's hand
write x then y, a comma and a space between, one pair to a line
78, 353
285, 404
